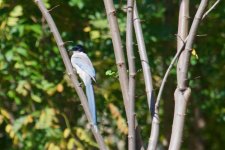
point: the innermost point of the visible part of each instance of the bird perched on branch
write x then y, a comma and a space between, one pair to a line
81, 62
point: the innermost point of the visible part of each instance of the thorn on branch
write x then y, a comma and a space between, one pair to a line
80, 84
64, 43
53, 8
188, 17
200, 35
69, 74
132, 75
60, 44
113, 12
189, 49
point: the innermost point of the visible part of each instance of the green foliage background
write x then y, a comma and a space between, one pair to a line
39, 109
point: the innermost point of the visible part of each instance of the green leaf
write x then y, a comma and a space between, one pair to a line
36, 98
46, 118
17, 11
109, 73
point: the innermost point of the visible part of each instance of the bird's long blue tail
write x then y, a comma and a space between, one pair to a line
91, 102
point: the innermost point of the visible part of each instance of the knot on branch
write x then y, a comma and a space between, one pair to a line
182, 94
61, 44
130, 8
111, 12
132, 75
69, 74
187, 17
130, 136
136, 19
120, 64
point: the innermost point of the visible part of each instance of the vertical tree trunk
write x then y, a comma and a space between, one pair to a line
132, 74
183, 92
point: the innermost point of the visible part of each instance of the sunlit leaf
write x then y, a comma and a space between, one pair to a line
94, 34
71, 143
36, 98
5, 113
66, 133
87, 29
46, 119
17, 11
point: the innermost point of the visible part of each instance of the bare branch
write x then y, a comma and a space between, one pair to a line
144, 60
132, 74
70, 72
53, 8
210, 9
155, 123
119, 55
118, 51
183, 92
182, 32
183, 68
167, 74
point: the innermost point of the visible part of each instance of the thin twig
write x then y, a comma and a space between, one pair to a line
70, 71
132, 74
53, 8
64, 43
210, 9
167, 74
181, 35
155, 122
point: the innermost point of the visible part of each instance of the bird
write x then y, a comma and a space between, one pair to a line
84, 68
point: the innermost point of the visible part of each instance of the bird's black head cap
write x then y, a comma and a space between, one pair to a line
78, 48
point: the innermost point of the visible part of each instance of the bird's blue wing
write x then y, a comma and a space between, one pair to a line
84, 66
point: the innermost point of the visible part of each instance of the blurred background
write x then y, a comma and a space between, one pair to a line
39, 109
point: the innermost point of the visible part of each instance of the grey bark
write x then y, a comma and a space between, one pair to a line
132, 74
144, 60
120, 61
183, 92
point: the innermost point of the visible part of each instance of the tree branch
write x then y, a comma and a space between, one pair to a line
182, 85
183, 92
210, 9
144, 60
120, 61
182, 34
132, 74
118, 51
70, 72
